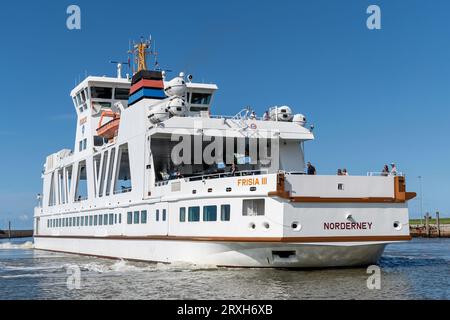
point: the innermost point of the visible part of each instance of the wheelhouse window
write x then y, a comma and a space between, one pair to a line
210, 213
101, 93
200, 98
121, 94
194, 214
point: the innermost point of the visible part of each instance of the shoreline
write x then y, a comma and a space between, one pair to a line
421, 231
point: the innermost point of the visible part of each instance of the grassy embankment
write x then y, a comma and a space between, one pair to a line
432, 221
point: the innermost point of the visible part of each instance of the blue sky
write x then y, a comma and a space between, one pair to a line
373, 96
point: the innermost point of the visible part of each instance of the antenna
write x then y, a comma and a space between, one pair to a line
138, 53
119, 67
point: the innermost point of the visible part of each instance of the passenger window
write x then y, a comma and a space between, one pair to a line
210, 213
157, 215
144, 216
182, 214
136, 217
129, 217
194, 214
253, 207
164, 217
225, 212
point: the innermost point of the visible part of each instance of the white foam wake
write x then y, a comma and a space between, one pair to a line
9, 245
122, 266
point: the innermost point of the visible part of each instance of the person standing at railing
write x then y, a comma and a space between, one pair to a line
344, 172
233, 169
311, 169
385, 171
393, 170
339, 172
266, 116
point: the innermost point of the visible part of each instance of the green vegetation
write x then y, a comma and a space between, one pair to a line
432, 221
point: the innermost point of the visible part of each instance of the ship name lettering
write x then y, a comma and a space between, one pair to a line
251, 182
347, 225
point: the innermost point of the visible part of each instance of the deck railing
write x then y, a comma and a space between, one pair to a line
385, 174
124, 190
215, 176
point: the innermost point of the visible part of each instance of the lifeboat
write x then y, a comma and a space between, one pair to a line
110, 129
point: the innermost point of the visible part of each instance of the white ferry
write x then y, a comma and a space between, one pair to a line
154, 176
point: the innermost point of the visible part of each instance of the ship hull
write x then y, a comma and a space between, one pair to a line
229, 254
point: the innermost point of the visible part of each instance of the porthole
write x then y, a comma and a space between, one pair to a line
397, 226
266, 225
296, 226
252, 226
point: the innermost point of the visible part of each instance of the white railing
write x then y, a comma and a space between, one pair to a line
124, 190
162, 183
385, 174
215, 176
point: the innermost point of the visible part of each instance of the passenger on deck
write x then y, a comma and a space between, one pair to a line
339, 172
344, 172
253, 115
393, 170
179, 175
385, 171
311, 169
234, 169
266, 116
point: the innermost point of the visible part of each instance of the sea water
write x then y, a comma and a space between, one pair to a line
419, 269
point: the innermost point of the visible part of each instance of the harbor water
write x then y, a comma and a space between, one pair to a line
419, 269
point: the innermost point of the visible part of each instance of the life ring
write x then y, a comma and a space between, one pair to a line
253, 126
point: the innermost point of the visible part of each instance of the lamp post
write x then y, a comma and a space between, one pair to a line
421, 199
